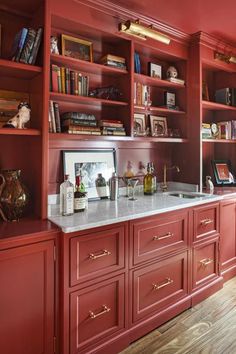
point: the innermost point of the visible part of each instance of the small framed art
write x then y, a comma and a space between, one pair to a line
139, 124
222, 172
158, 126
76, 48
155, 70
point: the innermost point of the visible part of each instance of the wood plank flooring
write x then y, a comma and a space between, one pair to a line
207, 328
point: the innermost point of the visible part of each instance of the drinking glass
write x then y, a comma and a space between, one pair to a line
133, 182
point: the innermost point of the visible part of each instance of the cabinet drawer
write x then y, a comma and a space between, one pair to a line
96, 313
96, 254
206, 221
159, 285
205, 263
156, 236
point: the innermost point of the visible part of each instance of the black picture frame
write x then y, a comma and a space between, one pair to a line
223, 172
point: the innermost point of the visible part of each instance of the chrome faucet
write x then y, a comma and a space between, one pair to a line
164, 186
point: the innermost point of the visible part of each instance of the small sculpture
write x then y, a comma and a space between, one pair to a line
21, 118
54, 45
172, 72
209, 184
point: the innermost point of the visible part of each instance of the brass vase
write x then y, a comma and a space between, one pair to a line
14, 197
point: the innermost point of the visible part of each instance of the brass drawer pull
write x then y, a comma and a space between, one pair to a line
204, 262
206, 222
103, 312
103, 254
160, 286
158, 238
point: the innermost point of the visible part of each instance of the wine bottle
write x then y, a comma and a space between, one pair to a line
80, 196
66, 197
148, 181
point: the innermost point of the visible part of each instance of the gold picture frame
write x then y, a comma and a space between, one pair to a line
76, 48
158, 126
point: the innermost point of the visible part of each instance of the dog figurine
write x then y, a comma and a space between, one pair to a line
21, 118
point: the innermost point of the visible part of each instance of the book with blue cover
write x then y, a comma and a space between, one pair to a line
19, 43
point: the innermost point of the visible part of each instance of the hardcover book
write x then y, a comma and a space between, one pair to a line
18, 44
36, 46
28, 46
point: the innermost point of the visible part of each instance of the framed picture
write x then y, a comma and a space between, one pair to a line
154, 70
169, 98
76, 48
205, 92
90, 164
139, 124
222, 172
158, 126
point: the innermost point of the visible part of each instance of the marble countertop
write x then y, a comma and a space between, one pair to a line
104, 212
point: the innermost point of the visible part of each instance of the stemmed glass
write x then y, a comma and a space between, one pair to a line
133, 182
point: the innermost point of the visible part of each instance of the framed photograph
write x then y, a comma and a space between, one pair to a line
222, 172
158, 126
154, 70
169, 99
76, 48
90, 164
139, 124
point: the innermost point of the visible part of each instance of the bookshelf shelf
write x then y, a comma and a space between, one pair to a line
13, 131
61, 97
213, 106
86, 66
12, 69
152, 81
221, 141
152, 109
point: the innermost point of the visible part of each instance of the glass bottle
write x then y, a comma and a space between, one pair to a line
66, 197
80, 196
148, 181
154, 177
101, 186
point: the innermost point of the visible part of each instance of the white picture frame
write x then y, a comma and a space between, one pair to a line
89, 163
155, 70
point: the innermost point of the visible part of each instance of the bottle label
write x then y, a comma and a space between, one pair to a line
68, 205
80, 203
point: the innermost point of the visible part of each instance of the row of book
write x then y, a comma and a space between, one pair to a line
65, 80
82, 123
114, 61
26, 45
220, 130
141, 94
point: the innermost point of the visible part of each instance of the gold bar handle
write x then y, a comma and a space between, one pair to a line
105, 309
204, 262
158, 238
206, 222
160, 286
103, 254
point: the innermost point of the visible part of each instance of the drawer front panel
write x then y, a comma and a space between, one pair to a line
205, 263
159, 236
96, 254
96, 313
159, 285
206, 221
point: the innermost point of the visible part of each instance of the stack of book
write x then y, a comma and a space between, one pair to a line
112, 127
175, 80
79, 123
26, 45
64, 80
114, 61
141, 94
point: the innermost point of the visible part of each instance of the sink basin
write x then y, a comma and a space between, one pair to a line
187, 195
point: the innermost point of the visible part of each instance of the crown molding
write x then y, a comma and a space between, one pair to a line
212, 42
123, 14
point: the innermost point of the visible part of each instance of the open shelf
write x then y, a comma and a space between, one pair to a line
19, 70
152, 109
14, 131
84, 99
213, 106
86, 66
153, 81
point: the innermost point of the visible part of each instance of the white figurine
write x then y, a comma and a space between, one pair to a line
53, 45
21, 118
172, 72
209, 184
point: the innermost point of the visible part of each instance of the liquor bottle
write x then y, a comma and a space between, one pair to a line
148, 181
66, 197
80, 196
101, 186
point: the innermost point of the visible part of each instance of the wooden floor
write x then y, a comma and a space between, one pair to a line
207, 328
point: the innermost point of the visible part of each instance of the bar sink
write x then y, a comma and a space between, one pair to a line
187, 195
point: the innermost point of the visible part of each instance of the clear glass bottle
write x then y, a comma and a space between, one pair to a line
80, 196
148, 181
66, 197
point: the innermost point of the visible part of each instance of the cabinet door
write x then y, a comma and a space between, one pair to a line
96, 254
205, 263
96, 313
152, 237
159, 285
228, 234
27, 299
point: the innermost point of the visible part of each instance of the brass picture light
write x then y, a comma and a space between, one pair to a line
226, 58
142, 32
